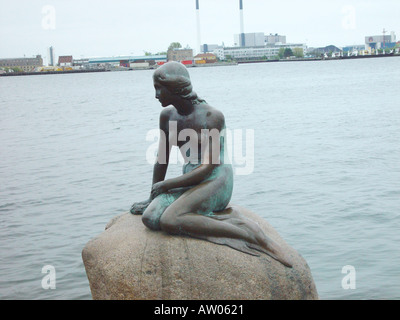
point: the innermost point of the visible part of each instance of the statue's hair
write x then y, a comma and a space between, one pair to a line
175, 77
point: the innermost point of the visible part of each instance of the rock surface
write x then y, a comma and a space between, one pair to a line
130, 262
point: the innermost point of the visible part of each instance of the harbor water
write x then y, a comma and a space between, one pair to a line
323, 168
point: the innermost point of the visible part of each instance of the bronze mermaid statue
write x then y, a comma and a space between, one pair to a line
195, 203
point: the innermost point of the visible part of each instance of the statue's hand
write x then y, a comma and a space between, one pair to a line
139, 207
157, 189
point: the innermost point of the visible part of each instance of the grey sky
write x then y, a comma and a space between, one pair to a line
89, 28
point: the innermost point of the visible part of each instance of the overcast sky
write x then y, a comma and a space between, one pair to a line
90, 28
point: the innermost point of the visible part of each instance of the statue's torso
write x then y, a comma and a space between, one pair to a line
191, 133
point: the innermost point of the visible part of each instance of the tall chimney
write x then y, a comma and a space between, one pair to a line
242, 40
50, 61
198, 26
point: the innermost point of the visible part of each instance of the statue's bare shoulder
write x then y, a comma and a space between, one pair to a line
166, 115
215, 118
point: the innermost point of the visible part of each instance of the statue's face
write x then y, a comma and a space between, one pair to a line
163, 95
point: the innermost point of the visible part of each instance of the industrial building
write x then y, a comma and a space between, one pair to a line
380, 41
257, 52
129, 61
25, 64
256, 45
250, 46
80, 62
220, 53
204, 48
254, 39
275, 39
257, 39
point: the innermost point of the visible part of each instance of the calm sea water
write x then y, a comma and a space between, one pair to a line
326, 166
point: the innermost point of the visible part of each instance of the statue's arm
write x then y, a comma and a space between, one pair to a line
160, 166
164, 149
189, 179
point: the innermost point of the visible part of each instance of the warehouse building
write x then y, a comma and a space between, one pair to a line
25, 64
130, 61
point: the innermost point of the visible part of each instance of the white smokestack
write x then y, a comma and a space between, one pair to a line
241, 37
198, 26
241, 16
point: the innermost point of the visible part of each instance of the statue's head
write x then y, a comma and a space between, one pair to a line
175, 77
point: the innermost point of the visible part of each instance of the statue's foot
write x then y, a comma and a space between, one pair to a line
274, 251
139, 207
256, 240
135, 211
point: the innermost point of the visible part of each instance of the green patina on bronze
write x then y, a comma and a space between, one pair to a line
196, 203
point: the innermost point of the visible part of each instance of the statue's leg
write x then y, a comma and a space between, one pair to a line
151, 216
184, 217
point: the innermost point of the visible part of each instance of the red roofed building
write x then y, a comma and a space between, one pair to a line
65, 61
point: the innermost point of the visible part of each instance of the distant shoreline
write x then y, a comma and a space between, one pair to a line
14, 74
217, 64
321, 59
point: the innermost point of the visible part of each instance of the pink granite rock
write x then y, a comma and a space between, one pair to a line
129, 261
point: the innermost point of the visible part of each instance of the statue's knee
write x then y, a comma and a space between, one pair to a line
146, 220
151, 223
